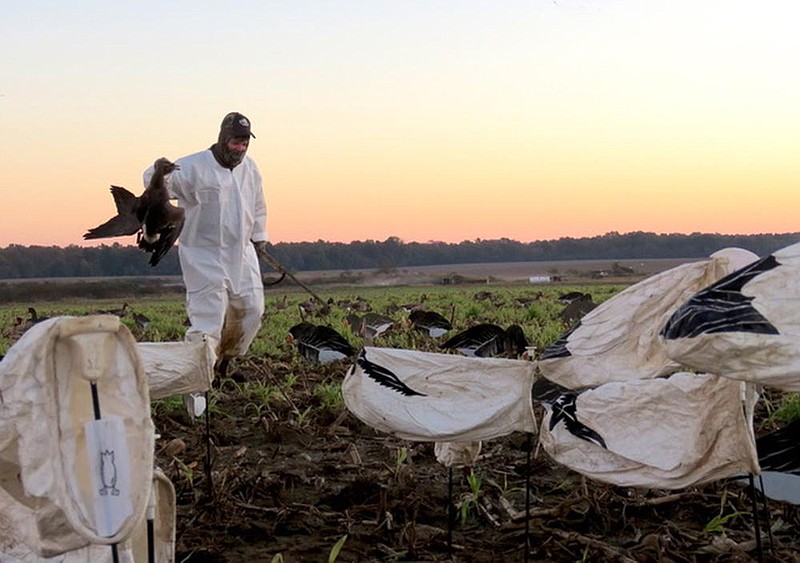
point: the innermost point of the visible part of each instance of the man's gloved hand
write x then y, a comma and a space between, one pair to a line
261, 248
263, 254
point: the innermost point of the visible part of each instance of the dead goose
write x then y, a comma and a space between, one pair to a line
156, 222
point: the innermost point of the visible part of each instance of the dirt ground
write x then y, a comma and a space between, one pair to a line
290, 481
291, 485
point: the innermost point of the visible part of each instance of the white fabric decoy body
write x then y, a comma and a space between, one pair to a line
426, 396
670, 433
68, 477
620, 410
618, 340
746, 326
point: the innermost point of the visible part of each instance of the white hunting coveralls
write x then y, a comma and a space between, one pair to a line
225, 211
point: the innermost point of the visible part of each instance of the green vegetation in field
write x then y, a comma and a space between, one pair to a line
535, 308
789, 409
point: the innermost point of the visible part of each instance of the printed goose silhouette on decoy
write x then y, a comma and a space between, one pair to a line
429, 322
487, 340
722, 307
745, 326
319, 344
156, 222
563, 402
384, 376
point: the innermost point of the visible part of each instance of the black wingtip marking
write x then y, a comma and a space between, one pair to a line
563, 403
385, 377
558, 349
722, 307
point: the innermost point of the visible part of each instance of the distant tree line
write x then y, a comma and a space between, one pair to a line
17, 261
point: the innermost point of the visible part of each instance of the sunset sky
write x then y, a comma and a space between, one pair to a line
427, 120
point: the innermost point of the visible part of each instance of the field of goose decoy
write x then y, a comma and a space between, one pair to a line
296, 476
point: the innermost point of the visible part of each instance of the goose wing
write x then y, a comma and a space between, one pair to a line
124, 223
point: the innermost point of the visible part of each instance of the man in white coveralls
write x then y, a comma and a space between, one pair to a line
221, 191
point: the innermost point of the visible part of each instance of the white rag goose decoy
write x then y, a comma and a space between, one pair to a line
432, 397
666, 433
746, 326
71, 477
618, 341
621, 411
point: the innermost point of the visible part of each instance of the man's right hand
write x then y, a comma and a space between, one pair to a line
262, 253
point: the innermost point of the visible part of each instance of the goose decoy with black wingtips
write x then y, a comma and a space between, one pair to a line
141, 321
577, 308
570, 296
415, 305
318, 343
779, 459
744, 326
619, 340
429, 322
487, 340
156, 222
669, 432
370, 325
34, 317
